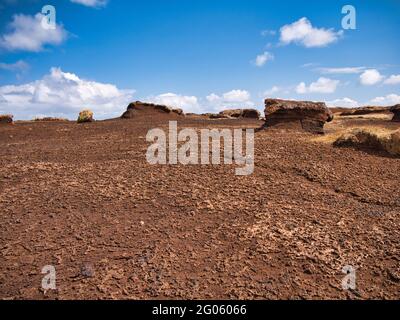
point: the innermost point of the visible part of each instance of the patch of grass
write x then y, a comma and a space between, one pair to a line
369, 137
328, 138
374, 138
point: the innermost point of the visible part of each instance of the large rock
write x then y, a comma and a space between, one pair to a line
364, 111
139, 107
215, 115
241, 113
50, 119
251, 113
85, 116
396, 110
6, 118
178, 111
232, 113
299, 115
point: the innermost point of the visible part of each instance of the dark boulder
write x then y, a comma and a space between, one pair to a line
139, 107
299, 115
6, 118
364, 111
241, 113
396, 110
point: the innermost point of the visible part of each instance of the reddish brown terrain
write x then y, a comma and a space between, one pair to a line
83, 198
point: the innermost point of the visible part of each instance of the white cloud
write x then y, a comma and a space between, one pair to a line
390, 99
393, 79
187, 103
263, 58
302, 32
370, 77
230, 100
236, 96
63, 94
26, 33
308, 65
348, 70
20, 65
213, 98
273, 90
301, 88
91, 3
344, 102
322, 85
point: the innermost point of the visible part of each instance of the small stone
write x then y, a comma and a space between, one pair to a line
87, 270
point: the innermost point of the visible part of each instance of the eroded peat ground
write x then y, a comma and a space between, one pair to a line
84, 199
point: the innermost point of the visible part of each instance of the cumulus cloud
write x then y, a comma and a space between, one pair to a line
236, 96
390, 99
272, 91
370, 77
344, 102
322, 85
231, 99
393, 79
213, 98
20, 65
263, 58
347, 70
302, 32
212, 103
27, 34
187, 103
63, 94
91, 3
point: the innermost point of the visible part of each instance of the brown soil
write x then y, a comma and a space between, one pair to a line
84, 199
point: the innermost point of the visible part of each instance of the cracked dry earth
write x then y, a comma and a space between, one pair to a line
83, 199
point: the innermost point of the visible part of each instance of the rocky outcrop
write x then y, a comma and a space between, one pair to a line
299, 115
214, 115
231, 113
364, 110
396, 110
241, 113
6, 118
139, 107
251, 113
50, 119
85, 116
178, 111
217, 116
128, 114
338, 110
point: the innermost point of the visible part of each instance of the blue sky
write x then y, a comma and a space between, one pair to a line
202, 55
